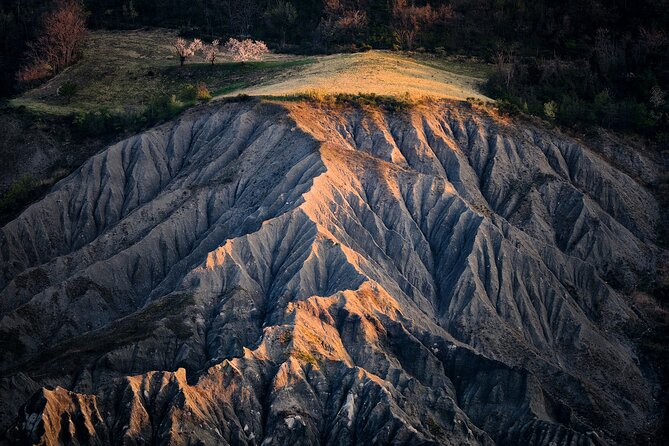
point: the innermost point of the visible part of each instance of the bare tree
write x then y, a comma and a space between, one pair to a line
186, 50
343, 22
238, 16
505, 65
410, 19
211, 51
244, 50
63, 31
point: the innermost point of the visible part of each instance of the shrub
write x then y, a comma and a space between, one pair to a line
434, 427
203, 93
316, 96
34, 73
240, 98
360, 100
550, 109
95, 122
162, 107
573, 111
67, 90
305, 357
20, 192
188, 93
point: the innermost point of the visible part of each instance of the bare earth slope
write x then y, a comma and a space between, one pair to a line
273, 274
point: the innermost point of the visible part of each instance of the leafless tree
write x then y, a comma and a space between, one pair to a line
410, 19
505, 64
63, 31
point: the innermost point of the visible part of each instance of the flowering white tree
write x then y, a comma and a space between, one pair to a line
247, 49
211, 51
185, 50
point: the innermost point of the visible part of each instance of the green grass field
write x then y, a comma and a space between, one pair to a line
123, 71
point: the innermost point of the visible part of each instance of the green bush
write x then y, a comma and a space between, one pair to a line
20, 192
96, 122
103, 122
162, 107
573, 111
67, 90
550, 109
360, 100
189, 93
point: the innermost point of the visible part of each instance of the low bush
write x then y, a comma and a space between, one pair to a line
203, 93
162, 107
96, 122
188, 93
20, 192
67, 90
360, 100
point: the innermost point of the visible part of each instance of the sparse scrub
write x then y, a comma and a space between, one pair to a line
361, 100
434, 427
228, 175
305, 357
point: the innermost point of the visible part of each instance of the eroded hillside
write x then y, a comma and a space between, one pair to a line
258, 273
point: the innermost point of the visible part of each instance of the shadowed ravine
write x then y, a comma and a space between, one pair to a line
259, 273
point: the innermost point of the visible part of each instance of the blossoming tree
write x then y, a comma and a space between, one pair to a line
245, 50
186, 50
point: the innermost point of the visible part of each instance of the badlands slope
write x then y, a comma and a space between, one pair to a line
279, 273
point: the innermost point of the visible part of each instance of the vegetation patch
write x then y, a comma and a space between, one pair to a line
361, 100
133, 328
23, 190
286, 337
434, 427
305, 357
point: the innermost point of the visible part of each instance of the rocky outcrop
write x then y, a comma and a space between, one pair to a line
258, 273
